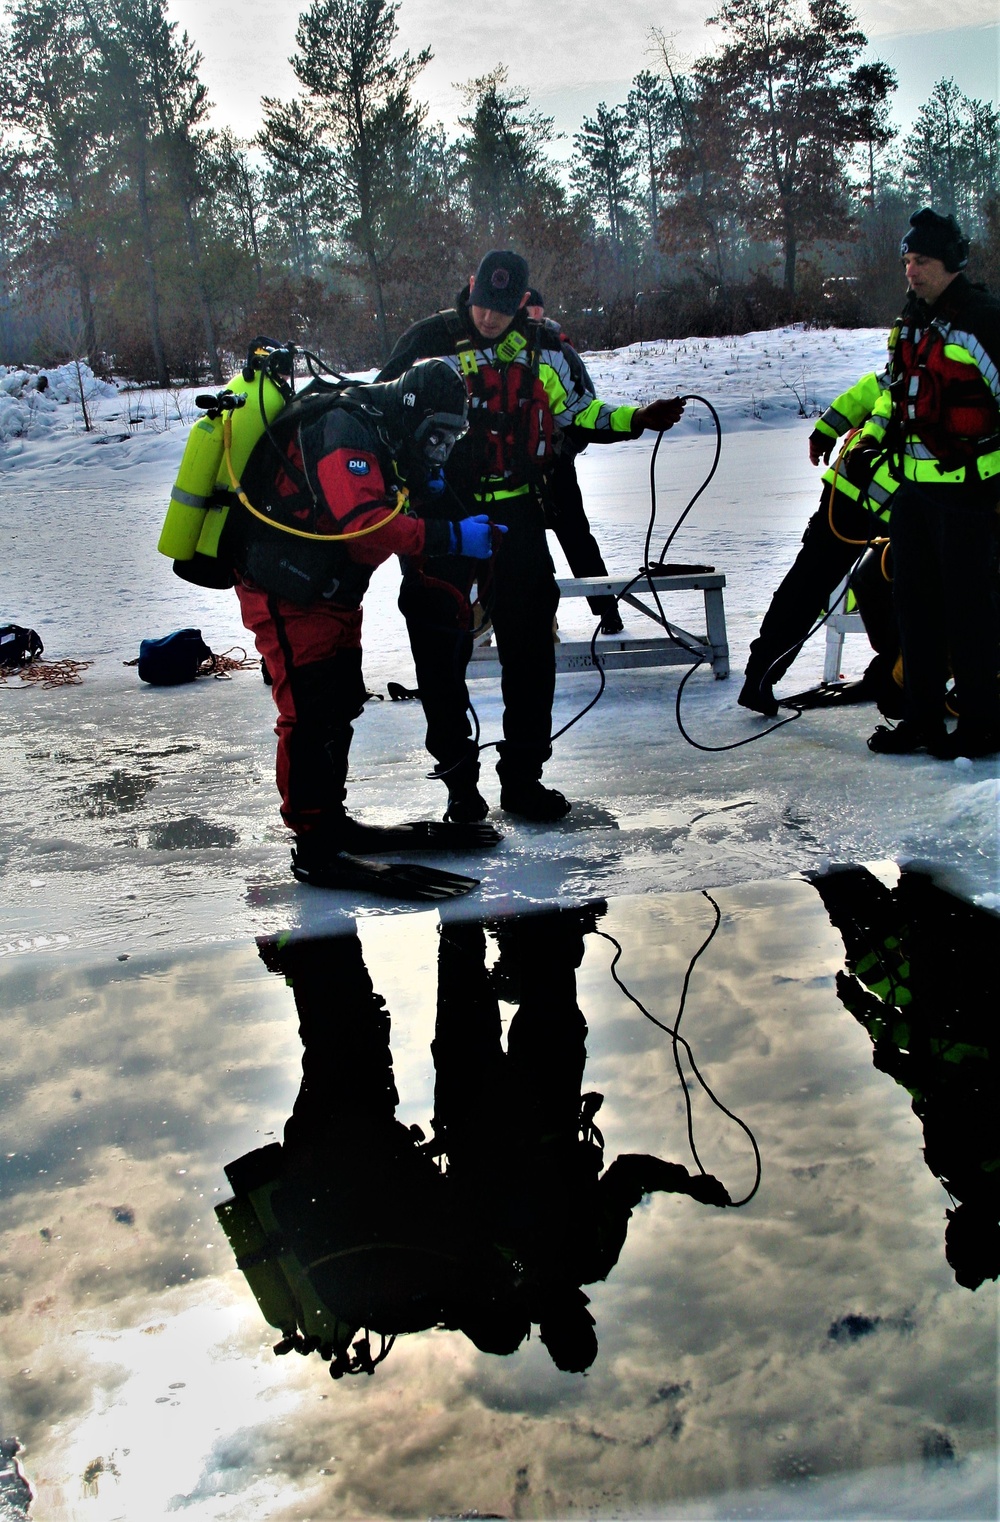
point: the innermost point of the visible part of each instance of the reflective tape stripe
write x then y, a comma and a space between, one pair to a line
186, 498
501, 493
621, 419
979, 357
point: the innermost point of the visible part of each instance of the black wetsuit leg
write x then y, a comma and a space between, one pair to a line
822, 562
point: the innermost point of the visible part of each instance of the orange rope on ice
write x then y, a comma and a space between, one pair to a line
48, 674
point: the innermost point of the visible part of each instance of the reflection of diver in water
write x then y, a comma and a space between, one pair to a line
350, 1226
924, 983
524, 1154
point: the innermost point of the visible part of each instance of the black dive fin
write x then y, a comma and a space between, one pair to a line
388, 879
418, 835
400, 694
830, 695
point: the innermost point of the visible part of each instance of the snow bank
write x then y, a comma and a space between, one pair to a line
770, 377
34, 401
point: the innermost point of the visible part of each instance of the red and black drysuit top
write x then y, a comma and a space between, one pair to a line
325, 470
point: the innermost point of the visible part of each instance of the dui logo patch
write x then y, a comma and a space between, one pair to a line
358, 467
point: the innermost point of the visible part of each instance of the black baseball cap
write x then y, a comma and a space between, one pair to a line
500, 282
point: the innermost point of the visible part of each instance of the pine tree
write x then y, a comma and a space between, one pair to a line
871, 86
603, 169
952, 154
297, 184
127, 111
652, 117
786, 76
503, 151
51, 97
703, 169
361, 92
179, 102
238, 196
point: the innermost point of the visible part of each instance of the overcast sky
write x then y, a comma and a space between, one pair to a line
568, 56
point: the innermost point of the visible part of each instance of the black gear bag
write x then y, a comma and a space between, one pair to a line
18, 647
174, 659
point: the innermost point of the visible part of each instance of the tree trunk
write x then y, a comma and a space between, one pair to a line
383, 326
149, 268
258, 267
87, 324
208, 331
791, 253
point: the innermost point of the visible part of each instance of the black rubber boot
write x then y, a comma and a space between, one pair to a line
466, 804
973, 741
530, 800
907, 739
758, 695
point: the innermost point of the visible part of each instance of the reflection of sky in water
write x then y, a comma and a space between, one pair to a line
137, 1369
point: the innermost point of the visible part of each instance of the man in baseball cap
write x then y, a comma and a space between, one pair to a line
527, 386
500, 283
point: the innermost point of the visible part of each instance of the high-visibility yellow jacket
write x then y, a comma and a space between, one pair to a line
938, 420
849, 411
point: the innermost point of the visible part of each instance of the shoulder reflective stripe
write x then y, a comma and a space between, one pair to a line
980, 359
853, 405
988, 465
186, 498
557, 378
580, 405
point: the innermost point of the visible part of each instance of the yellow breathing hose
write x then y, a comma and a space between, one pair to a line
833, 528
402, 497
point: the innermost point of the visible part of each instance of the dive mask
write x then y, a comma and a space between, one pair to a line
437, 436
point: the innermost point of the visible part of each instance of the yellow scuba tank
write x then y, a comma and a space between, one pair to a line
190, 527
264, 401
279, 1280
189, 494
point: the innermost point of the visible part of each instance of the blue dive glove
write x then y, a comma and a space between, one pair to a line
474, 537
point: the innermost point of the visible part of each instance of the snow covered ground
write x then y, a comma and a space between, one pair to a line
138, 817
